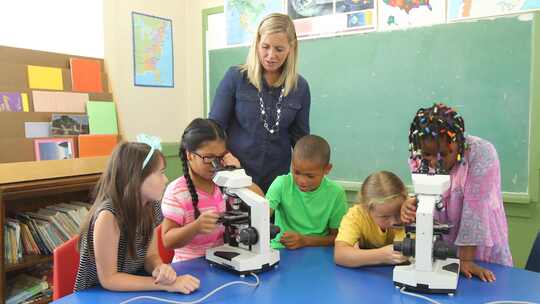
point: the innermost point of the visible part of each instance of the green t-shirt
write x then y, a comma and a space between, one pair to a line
308, 213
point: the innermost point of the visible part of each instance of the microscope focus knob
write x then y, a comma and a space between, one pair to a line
248, 236
406, 247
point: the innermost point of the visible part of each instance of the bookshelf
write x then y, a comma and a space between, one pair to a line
31, 195
27, 185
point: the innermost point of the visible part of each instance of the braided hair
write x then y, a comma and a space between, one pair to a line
435, 122
197, 133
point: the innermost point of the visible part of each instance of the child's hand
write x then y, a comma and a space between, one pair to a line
408, 210
292, 240
164, 274
231, 160
207, 222
469, 268
392, 257
185, 284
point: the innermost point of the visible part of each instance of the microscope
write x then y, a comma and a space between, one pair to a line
434, 265
247, 225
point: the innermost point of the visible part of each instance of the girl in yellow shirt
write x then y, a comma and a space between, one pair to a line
366, 234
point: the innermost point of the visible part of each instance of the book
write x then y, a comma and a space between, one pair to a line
23, 287
16, 251
11, 102
96, 145
35, 232
85, 75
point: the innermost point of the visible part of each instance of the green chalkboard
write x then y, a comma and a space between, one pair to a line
366, 88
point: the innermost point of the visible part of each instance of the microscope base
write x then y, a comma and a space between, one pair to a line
242, 261
442, 279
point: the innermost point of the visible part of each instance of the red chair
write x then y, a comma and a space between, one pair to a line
66, 264
65, 267
165, 253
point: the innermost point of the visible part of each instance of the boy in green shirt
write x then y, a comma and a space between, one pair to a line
308, 206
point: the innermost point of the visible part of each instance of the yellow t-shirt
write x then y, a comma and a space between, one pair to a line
357, 226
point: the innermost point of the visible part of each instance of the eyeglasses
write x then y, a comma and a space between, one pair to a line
209, 159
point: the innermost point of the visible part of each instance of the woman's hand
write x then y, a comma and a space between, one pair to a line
185, 284
470, 269
164, 274
408, 210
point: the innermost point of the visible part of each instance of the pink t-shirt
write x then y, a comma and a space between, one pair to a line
474, 204
177, 206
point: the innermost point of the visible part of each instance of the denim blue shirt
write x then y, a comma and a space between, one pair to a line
236, 108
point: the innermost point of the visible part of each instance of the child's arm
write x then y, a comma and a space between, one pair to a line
106, 238
176, 236
161, 272
469, 267
295, 240
350, 256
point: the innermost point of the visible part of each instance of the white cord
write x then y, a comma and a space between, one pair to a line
199, 300
430, 300
402, 290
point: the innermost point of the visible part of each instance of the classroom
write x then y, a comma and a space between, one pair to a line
345, 96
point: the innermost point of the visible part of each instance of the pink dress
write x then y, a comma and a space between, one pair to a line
474, 204
177, 206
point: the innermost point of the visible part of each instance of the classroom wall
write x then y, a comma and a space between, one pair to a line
143, 109
165, 112
160, 111
194, 80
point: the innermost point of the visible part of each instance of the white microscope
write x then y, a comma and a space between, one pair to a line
247, 226
435, 268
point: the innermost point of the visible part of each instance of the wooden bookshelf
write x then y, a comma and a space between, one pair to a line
28, 261
39, 170
43, 301
31, 195
27, 185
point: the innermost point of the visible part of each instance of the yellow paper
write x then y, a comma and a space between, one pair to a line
48, 78
25, 106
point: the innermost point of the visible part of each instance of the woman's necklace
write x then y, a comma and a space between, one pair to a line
264, 115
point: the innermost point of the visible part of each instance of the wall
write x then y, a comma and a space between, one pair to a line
142, 109
166, 111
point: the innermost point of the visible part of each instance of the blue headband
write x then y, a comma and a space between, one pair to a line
154, 143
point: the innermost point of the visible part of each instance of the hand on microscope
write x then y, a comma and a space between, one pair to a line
207, 222
391, 257
408, 210
231, 160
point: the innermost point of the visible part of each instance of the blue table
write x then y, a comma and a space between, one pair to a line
309, 275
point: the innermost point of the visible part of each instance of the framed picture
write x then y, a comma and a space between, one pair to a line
54, 148
153, 60
68, 124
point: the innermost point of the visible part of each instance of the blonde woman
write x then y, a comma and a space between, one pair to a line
263, 105
365, 234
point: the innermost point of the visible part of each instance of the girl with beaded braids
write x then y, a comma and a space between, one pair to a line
473, 205
192, 203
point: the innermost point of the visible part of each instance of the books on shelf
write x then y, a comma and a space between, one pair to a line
40, 232
24, 287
